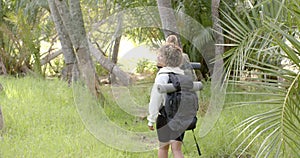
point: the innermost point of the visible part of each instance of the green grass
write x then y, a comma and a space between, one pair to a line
41, 120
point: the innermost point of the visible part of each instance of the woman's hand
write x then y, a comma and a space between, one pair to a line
151, 128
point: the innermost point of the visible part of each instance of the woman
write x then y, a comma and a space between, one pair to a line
170, 59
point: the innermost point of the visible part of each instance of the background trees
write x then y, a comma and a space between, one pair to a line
261, 51
40, 63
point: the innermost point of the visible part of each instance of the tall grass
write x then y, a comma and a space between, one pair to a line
41, 120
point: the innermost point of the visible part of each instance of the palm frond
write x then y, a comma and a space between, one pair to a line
255, 68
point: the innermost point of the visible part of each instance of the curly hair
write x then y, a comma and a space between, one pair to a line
172, 55
172, 39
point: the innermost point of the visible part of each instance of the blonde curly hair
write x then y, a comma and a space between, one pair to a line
172, 55
172, 39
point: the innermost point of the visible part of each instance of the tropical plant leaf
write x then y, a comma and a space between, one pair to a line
256, 69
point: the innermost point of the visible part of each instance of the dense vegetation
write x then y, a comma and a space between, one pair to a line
259, 71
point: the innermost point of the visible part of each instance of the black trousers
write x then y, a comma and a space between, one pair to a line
164, 133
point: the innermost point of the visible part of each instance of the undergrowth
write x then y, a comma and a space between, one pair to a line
41, 120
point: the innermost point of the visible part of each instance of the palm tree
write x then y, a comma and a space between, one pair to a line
167, 17
261, 39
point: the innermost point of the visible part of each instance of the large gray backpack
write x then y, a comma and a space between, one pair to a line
181, 106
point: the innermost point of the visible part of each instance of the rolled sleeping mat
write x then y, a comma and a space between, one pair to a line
168, 88
195, 65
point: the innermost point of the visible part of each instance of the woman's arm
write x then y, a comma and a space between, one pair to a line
156, 99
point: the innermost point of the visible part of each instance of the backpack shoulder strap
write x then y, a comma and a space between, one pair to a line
173, 79
167, 73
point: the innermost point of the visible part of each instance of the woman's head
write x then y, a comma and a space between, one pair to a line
172, 39
169, 55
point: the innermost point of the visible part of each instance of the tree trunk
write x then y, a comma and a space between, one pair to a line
66, 44
168, 18
2, 66
109, 65
1, 20
85, 64
117, 40
73, 23
1, 119
218, 37
217, 98
50, 56
114, 57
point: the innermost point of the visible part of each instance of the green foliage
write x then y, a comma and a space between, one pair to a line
145, 66
100, 17
149, 36
54, 67
264, 61
100, 70
200, 12
23, 29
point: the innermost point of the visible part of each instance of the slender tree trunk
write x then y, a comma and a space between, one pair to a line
1, 70
117, 40
110, 66
116, 49
114, 57
1, 20
66, 44
1, 118
2, 66
50, 57
218, 96
81, 46
218, 38
168, 18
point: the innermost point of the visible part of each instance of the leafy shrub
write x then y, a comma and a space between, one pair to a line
145, 66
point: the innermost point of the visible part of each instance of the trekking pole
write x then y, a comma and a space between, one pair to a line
198, 148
